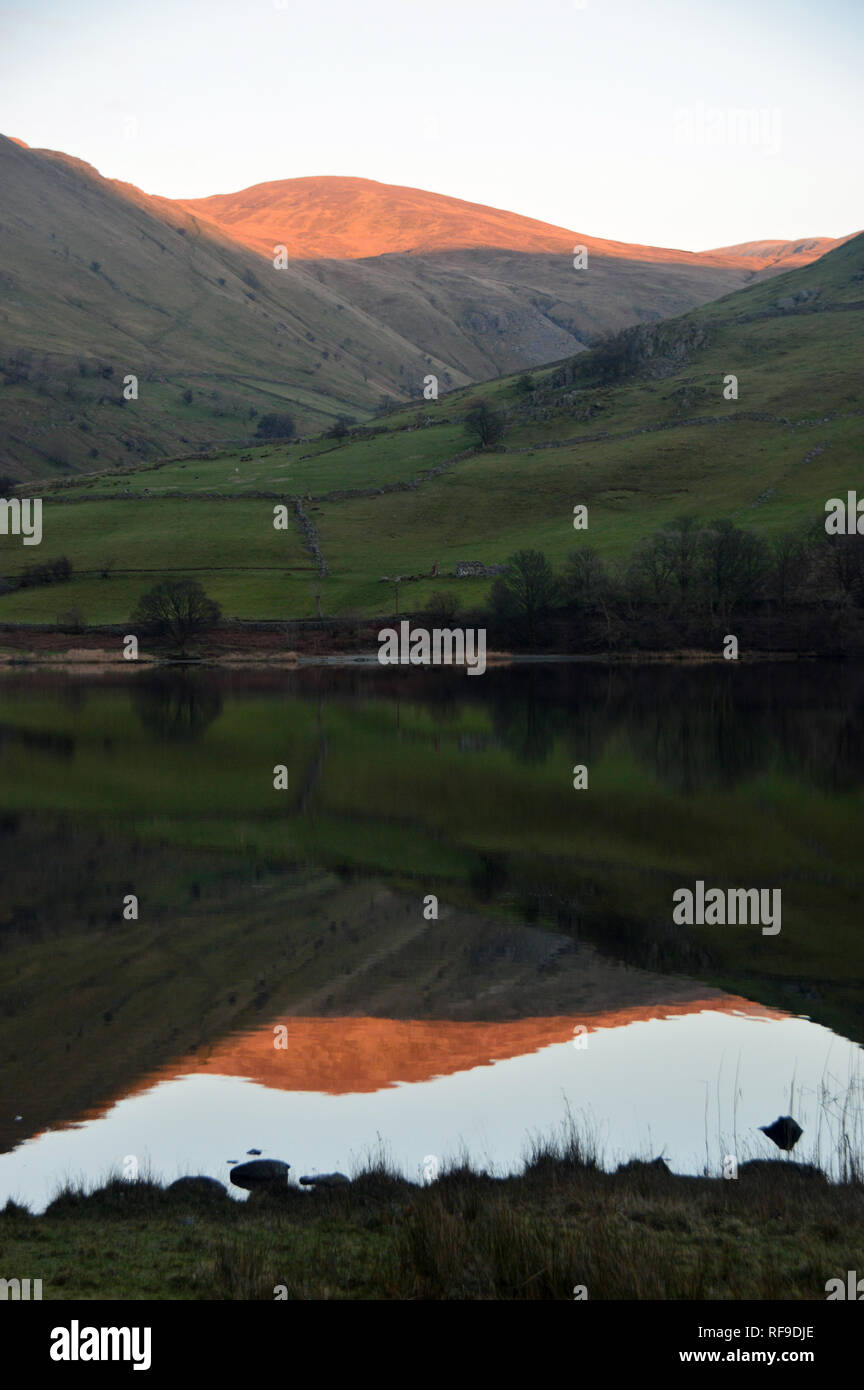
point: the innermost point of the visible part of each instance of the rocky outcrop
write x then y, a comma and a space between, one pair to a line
792, 301
475, 569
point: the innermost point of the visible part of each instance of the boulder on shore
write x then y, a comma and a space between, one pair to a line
781, 1170
198, 1186
326, 1180
262, 1172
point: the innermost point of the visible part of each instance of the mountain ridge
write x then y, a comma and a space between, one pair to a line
100, 279
252, 216
537, 234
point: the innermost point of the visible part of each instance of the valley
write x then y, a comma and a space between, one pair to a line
640, 436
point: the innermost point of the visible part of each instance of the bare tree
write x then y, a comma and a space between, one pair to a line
842, 561
484, 424
176, 611
583, 579
666, 568
735, 566
791, 563
524, 596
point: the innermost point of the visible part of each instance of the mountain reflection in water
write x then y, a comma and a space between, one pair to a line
304, 907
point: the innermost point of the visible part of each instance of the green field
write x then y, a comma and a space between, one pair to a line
770, 459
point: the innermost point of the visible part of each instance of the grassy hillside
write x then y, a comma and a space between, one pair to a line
638, 451
100, 280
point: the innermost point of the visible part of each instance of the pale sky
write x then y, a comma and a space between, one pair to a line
683, 123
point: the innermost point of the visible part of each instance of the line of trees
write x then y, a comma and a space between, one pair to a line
686, 575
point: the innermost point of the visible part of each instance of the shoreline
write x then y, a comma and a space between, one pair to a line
640, 1232
75, 656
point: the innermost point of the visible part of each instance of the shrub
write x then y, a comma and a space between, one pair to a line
339, 428
275, 426
73, 619
51, 572
443, 608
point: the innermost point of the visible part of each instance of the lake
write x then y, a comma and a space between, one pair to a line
340, 914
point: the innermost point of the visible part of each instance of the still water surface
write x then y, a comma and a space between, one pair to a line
285, 987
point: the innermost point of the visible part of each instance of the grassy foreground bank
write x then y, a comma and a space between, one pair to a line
780, 1231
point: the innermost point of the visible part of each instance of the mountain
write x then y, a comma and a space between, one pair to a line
491, 290
352, 219
99, 281
384, 286
355, 219
773, 257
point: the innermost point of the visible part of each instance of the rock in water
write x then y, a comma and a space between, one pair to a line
785, 1132
262, 1172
